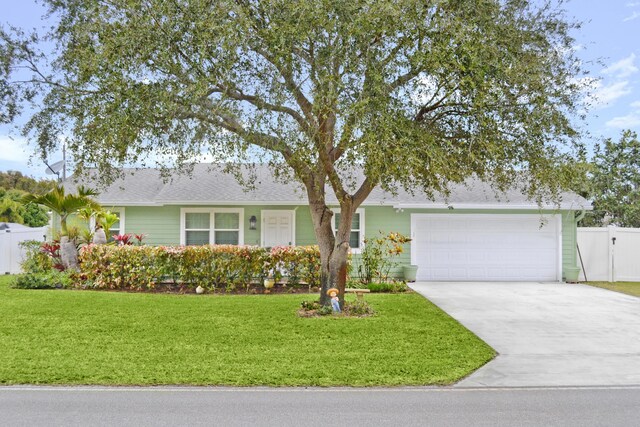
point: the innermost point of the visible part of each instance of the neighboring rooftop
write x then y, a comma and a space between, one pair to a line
209, 186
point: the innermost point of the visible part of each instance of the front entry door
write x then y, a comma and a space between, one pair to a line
277, 228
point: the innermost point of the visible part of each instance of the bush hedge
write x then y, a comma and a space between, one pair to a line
209, 266
50, 280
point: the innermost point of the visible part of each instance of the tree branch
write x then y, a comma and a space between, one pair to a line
305, 105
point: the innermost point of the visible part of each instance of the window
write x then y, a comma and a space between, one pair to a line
203, 226
356, 239
197, 228
118, 226
226, 229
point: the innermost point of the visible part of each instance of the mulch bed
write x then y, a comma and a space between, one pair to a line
252, 289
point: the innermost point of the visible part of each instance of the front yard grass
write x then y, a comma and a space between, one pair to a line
631, 288
87, 337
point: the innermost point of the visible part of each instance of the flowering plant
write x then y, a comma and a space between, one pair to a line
377, 257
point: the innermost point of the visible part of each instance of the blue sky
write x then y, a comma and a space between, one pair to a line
610, 34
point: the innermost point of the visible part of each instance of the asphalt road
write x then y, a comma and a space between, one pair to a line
95, 406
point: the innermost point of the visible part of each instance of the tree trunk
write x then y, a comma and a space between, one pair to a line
334, 249
68, 253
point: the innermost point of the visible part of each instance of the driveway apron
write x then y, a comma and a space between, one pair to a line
546, 334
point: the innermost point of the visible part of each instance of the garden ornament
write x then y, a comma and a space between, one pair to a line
199, 290
335, 301
99, 237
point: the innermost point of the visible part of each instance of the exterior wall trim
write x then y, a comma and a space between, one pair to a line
502, 206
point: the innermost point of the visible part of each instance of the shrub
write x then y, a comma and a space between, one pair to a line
297, 263
214, 266
52, 250
209, 266
51, 280
377, 257
359, 308
120, 267
35, 261
393, 287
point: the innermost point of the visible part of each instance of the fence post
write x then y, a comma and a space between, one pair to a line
611, 242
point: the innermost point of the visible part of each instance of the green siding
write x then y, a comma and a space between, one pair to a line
387, 219
162, 225
569, 241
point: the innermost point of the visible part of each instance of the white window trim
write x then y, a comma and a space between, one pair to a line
211, 212
121, 216
292, 212
359, 211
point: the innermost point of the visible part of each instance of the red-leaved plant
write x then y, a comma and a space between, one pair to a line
123, 239
53, 251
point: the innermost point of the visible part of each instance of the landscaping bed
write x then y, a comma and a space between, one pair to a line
117, 338
251, 289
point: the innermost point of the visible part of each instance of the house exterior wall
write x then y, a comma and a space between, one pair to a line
162, 225
387, 219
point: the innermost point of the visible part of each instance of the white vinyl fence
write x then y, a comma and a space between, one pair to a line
11, 253
609, 253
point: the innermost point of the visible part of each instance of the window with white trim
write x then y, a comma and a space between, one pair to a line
356, 238
203, 226
118, 226
226, 228
197, 228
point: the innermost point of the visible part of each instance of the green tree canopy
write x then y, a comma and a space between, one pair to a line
11, 180
613, 182
13, 210
414, 93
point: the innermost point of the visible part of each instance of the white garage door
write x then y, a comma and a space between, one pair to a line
486, 247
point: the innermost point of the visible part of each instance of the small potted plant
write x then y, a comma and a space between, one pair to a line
410, 272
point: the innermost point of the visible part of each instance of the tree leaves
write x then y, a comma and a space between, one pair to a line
614, 182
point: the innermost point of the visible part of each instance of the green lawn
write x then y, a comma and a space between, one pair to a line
631, 288
87, 337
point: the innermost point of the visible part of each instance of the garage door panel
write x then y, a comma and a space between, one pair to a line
485, 247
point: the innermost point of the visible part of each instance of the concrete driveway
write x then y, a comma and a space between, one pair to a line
546, 334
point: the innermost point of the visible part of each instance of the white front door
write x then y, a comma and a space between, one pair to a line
277, 228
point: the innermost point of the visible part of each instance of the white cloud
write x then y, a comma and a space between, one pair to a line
625, 122
633, 4
623, 68
635, 104
14, 149
604, 95
631, 17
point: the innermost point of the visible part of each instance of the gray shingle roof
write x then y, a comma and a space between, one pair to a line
208, 186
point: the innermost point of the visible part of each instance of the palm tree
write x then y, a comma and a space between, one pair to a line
65, 204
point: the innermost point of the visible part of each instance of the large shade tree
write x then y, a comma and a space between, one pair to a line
411, 93
613, 182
